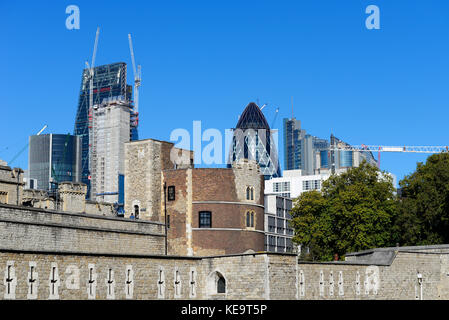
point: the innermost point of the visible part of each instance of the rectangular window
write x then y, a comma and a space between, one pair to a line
171, 193
205, 219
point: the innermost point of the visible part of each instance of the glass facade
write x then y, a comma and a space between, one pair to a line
54, 158
254, 140
300, 148
345, 159
109, 82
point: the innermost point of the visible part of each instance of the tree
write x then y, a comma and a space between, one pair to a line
423, 217
354, 211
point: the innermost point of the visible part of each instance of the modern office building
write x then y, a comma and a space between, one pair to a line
344, 159
108, 132
313, 155
109, 81
278, 232
301, 150
293, 183
54, 158
254, 140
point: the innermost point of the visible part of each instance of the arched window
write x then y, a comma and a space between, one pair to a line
249, 193
249, 219
136, 211
215, 283
221, 284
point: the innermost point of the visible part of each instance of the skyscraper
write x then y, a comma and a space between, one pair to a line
108, 133
292, 147
54, 158
313, 155
109, 81
300, 148
253, 140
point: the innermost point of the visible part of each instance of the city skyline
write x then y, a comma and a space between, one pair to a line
375, 87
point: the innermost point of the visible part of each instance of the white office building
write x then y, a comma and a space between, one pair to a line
293, 183
278, 232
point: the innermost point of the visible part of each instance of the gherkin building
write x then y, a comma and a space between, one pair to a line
253, 140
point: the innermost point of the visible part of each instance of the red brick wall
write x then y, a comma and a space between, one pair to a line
212, 185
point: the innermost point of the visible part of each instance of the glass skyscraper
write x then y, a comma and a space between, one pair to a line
300, 148
54, 158
252, 139
313, 155
109, 82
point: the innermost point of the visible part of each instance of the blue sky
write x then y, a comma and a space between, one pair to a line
206, 60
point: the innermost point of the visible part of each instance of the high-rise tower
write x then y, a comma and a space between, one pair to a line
253, 140
109, 82
54, 158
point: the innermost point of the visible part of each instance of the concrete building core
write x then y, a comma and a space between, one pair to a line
108, 132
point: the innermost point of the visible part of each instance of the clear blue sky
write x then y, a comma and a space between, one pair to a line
206, 60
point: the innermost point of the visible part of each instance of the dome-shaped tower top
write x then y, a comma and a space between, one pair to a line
252, 118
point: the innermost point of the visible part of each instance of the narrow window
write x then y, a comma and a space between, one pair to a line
249, 219
205, 219
221, 285
171, 193
136, 211
252, 193
247, 193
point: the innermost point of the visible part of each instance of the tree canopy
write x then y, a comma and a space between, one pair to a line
423, 217
354, 211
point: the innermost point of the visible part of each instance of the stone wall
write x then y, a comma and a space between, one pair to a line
144, 162
11, 185
52, 231
395, 277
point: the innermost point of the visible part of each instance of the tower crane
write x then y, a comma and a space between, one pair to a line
380, 148
137, 80
91, 84
274, 119
91, 69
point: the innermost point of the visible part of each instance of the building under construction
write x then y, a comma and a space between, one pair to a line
106, 118
109, 82
109, 129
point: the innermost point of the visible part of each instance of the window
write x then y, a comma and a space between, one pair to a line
171, 193
136, 211
250, 219
205, 219
249, 193
221, 285
271, 224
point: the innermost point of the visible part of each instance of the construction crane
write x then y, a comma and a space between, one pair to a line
91, 84
379, 149
275, 116
24, 148
137, 80
91, 69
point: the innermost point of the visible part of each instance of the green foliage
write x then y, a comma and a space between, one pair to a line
355, 211
424, 203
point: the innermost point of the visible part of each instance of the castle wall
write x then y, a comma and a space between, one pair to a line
51, 231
